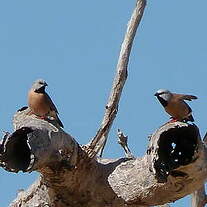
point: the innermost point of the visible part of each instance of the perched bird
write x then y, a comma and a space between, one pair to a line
175, 105
40, 103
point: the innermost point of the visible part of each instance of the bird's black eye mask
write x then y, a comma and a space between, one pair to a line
162, 101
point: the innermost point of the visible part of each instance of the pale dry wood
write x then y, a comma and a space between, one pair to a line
82, 182
71, 178
199, 198
35, 144
123, 141
98, 142
179, 178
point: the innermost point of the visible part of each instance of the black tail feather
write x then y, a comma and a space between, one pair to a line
189, 118
59, 122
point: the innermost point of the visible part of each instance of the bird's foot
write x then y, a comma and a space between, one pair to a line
172, 120
41, 117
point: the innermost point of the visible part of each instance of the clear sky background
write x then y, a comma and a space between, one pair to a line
74, 46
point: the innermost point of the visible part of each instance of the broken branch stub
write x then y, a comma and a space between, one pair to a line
123, 141
36, 144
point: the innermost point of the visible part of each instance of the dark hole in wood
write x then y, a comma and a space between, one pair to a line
16, 154
177, 147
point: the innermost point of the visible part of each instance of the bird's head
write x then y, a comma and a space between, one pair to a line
163, 94
39, 86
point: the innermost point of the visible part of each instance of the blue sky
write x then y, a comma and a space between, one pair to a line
74, 46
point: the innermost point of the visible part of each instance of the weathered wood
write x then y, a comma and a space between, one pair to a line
123, 141
199, 198
71, 178
158, 172
35, 144
98, 142
71, 175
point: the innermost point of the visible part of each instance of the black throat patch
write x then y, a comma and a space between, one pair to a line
162, 101
40, 90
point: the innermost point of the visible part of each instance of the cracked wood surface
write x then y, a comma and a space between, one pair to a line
69, 175
107, 182
199, 197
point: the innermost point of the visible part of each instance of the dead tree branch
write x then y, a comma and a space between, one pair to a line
98, 142
175, 165
123, 141
36, 144
199, 197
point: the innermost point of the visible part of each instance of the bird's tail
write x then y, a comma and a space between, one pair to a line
190, 118
54, 115
59, 122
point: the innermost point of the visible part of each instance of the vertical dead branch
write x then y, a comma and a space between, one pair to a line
98, 142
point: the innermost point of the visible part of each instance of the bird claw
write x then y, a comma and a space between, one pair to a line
42, 117
172, 120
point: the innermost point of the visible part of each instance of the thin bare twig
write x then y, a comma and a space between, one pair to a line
98, 142
123, 141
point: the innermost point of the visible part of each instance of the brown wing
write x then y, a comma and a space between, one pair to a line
185, 97
51, 104
54, 111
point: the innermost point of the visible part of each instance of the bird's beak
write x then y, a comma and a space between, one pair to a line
156, 94
45, 84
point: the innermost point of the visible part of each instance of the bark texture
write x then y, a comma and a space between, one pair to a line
35, 144
174, 165
199, 198
98, 142
71, 175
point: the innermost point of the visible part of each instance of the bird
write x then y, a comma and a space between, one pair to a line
175, 105
40, 102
